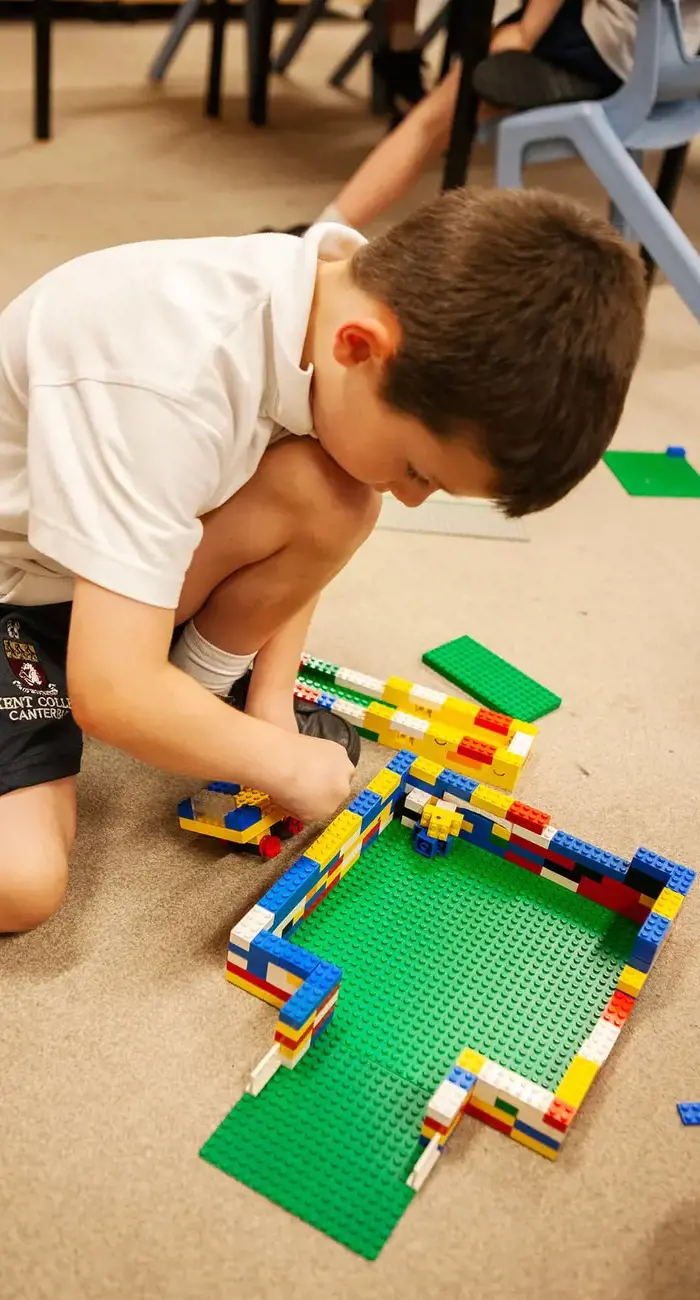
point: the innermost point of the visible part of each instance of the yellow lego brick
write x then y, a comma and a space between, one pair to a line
290, 1057
323, 849
294, 1034
471, 1060
346, 824
576, 1081
458, 713
222, 833
490, 800
495, 1112
378, 712
385, 783
397, 691
667, 904
505, 769
253, 988
426, 770
251, 798
501, 832
526, 1141
631, 981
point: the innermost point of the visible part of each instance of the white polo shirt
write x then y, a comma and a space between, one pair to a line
139, 388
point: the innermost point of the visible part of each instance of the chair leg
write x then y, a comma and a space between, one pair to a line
340, 74
439, 24
667, 187
309, 15
216, 57
477, 19
184, 17
42, 69
260, 20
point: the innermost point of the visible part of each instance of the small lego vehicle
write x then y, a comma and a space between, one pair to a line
436, 830
247, 819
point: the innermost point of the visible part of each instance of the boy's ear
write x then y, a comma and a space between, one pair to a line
366, 339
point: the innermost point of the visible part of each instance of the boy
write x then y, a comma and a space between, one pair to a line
195, 434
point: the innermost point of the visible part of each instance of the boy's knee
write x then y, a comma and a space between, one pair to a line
335, 511
32, 891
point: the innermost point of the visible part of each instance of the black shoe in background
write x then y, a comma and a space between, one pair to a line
402, 74
311, 720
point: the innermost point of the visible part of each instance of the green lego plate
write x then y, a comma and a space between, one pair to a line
653, 474
490, 679
437, 955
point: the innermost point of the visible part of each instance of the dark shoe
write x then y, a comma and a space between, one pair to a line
401, 71
311, 720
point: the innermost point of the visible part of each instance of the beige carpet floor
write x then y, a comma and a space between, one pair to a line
121, 1045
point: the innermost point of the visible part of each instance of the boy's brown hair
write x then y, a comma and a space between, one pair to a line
522, 318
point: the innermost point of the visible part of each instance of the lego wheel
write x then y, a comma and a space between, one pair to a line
288, 827
269, 846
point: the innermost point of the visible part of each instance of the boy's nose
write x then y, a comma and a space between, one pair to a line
411, 495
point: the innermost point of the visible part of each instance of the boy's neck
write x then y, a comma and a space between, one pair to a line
328, 308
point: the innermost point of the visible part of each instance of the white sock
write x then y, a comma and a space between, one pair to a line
213, 668
331, 213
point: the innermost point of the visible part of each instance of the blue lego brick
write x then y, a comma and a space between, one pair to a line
587, 855
654, 865
528, 854
402, 761
422, 1140
312, 993
448, 782
689, 1112
677, 452
649, 939
535, 1133
289, 890
368, 805
241, 819
185, 810
463, 1078
224, 787
425, 844
269, 947
681, 879
326, 700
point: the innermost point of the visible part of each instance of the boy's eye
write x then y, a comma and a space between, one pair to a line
412, 473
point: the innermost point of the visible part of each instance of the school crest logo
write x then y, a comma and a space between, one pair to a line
24, 662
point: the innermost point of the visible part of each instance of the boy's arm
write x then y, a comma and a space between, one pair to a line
524, 35
125, 692
271, 690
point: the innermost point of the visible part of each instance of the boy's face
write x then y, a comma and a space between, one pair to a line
391, 451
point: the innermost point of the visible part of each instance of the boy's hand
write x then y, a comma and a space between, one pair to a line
509, 37
321, 775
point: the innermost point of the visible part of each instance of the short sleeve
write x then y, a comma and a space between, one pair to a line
118, 476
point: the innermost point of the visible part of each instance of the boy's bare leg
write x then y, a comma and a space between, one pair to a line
264, 558
37, 827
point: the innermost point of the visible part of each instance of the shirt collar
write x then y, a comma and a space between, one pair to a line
291, 300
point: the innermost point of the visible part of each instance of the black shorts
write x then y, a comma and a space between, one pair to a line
39, 738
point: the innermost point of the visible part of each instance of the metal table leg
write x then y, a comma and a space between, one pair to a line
474, 46
184, 17
216, 57
42, 69
260, 19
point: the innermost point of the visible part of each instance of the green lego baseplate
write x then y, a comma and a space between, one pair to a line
491, 679
463, 950
653, 474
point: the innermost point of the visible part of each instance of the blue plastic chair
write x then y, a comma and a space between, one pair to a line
657, 108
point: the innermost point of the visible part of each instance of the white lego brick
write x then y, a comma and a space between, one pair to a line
290, 1061
530, 1098
521, 744
251, 925
446, 1102
411, 822
325, 1008
454, 801
571, 885
282, 979
424, 1164
361, 682
538, 841
349, 709
600, 1042
264, 1070
408, 725
235, 959
426, 697
417, 799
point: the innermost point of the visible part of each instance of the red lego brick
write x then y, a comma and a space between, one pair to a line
616, 896
567, 863
487, 1119
476, 750
490, 721
308, 693
521, 814
618, 1008
559, 1115
522, 862
293, 1043
433, 1125
259, 983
